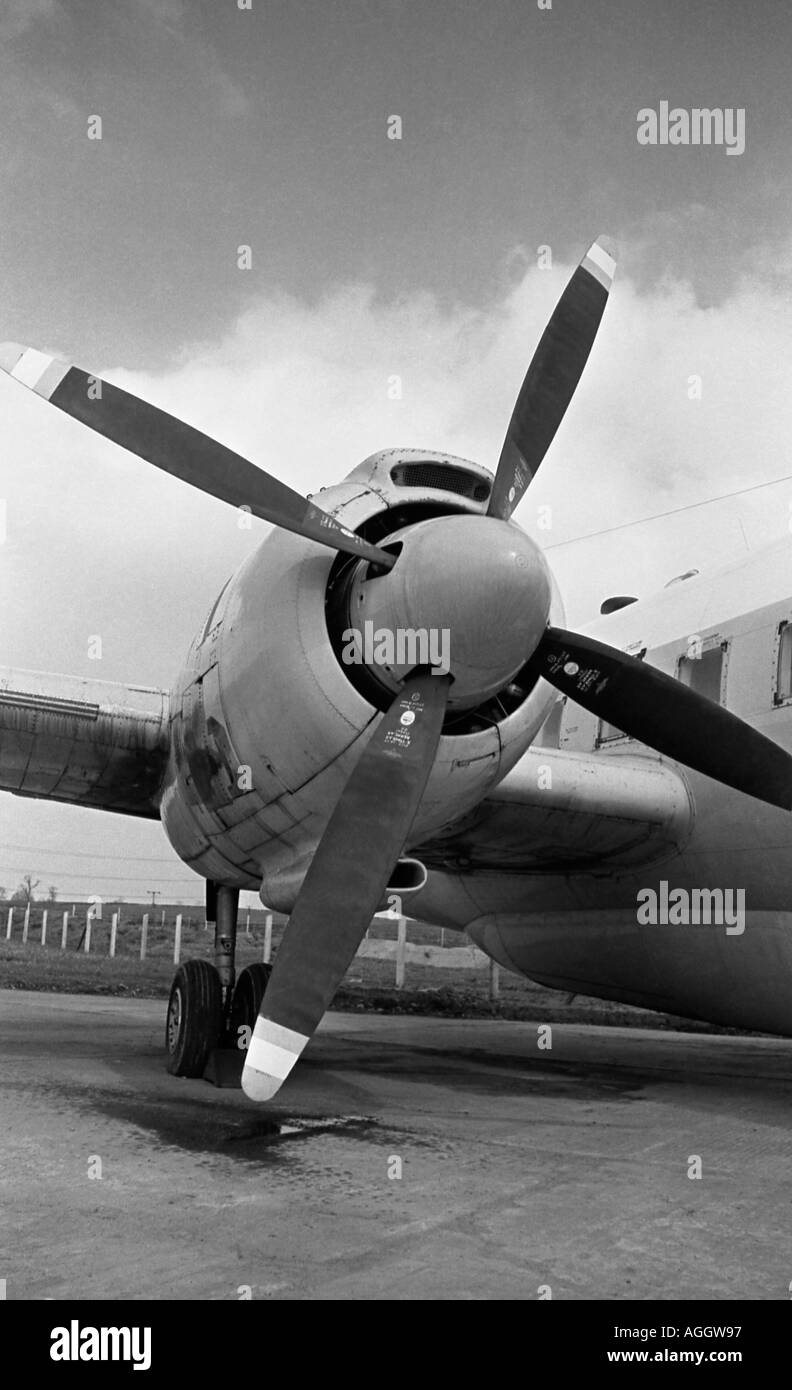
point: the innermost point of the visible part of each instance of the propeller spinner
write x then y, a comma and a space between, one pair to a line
452, 574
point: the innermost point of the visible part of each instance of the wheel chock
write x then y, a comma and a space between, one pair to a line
224, 1067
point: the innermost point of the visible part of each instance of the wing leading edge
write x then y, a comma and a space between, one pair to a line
91, 743
559, 811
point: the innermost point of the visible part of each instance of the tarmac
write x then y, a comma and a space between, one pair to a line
405, 1158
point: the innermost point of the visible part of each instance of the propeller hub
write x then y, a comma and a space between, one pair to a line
468, 596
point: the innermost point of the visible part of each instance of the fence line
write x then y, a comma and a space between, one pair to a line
404, 953
401, 951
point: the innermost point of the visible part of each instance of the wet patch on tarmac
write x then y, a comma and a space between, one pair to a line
188, 1124
478, 1071
277, 1131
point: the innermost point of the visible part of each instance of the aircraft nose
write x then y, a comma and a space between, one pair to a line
476, 586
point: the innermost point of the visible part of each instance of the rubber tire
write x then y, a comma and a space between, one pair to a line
246, 1000
197, 994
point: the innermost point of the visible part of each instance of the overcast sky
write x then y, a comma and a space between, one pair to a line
224, 127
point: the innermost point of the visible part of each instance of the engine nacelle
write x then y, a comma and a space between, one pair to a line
268, 721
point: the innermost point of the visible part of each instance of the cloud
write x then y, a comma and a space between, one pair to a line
678, 402
99, 542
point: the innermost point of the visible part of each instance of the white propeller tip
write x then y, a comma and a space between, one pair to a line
36, 370
271, 1055
600, 261
258, 1086
608, 245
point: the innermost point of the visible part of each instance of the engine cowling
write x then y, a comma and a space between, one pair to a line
268, 721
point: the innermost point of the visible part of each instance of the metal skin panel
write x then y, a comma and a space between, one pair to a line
571, 812
275, 701
697, 972
92, 743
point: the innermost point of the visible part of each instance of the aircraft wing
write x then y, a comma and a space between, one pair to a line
93, 743
565, 812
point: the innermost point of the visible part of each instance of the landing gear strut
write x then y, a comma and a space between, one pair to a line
208, 1008
225, 920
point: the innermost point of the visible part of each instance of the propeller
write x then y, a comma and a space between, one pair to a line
346, 880
663, 713
551, 379
179, 449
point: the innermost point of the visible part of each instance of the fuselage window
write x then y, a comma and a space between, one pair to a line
704, 673
783, 689
608, 733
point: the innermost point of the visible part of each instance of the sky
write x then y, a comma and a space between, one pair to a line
268, 127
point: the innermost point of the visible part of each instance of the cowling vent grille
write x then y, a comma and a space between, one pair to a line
441, 476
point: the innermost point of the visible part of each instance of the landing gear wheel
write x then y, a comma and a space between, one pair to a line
195, 1018
246, 1001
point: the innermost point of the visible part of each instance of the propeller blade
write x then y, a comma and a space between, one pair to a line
551, 379
179, 449
346, 880
664, 714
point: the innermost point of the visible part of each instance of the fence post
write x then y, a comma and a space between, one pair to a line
494, 980
144, 936
65, 931
113, 930
88, 922
247, 924
162, 920
44, 916
26, 924
177, 940
401, 951
10, 923
267, 952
